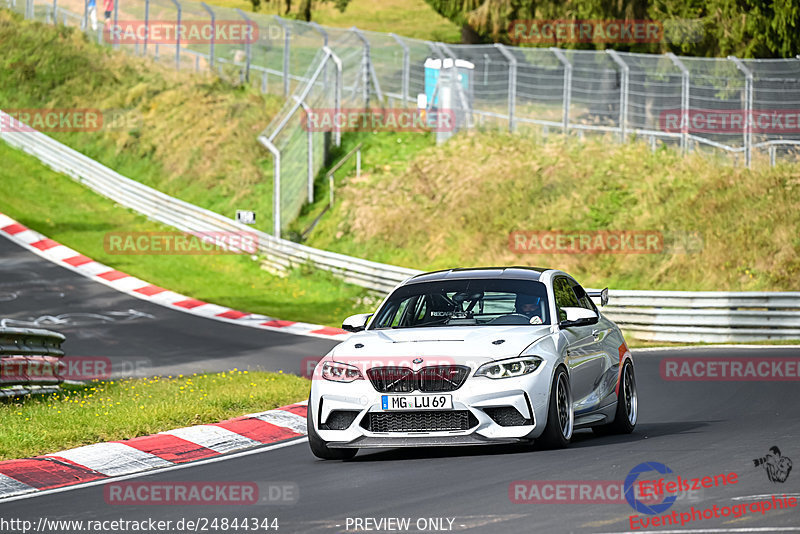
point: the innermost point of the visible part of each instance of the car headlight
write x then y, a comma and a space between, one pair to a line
509, 368
340, 372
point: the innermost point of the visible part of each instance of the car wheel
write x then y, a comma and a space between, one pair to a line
560, 414
627, 405
320, 448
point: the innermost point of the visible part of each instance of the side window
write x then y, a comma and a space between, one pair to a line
565, 297
583, 299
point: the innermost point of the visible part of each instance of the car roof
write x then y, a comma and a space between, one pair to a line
498, 273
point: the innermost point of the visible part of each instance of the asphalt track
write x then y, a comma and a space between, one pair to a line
696, 428
139, 337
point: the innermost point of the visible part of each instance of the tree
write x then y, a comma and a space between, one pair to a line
745, 28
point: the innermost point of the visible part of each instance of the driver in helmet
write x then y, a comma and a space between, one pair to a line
529, 306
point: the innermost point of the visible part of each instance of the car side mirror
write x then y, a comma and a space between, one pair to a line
356, 323
578, 317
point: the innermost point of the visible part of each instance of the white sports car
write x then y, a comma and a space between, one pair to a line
474, 356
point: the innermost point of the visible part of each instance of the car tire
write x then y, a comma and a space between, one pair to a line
560, 415
320, 448
627, 405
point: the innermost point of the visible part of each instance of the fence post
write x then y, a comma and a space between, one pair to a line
623, 93
178, 37
512, 84
213, 34
337, 96
116, 19
247, 45
324, 44
684, 101
310, 150
459, 90
276, 184
406, 68
748, 109
146, 25
55, 13
567, 93
286, 43
368, 72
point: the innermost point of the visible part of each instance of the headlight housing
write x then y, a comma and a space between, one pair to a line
340, 372
509, 368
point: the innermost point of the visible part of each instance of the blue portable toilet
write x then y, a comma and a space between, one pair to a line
433, 69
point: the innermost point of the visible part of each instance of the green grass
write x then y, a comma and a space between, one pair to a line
408, 18
37, 197
455, 205
192, 136
124, 409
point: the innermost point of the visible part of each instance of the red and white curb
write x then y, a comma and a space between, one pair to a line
118, 458
73, 260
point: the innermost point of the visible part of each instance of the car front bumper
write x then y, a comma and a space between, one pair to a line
528, 395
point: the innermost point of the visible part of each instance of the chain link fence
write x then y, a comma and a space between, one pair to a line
747, 110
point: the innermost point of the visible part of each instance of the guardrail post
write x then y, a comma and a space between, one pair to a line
213, 34
178, 36
512, 84
772, 155
684, 101
247, 45
567, 91
748, 109
287, 34
276, 184
623, 93
406, 68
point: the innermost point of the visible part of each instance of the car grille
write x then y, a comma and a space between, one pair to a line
419, 421
507, 416
436, 378
393, 379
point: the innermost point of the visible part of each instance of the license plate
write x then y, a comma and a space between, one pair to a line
416, 402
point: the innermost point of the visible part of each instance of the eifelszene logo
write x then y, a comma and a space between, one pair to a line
778, 467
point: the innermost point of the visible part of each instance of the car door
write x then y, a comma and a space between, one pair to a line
585, 358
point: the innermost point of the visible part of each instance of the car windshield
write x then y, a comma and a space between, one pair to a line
467, 302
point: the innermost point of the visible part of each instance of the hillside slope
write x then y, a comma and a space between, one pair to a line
723, 228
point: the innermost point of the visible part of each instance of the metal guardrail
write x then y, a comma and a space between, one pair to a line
29, 361
280, 253
654, 315
706, 316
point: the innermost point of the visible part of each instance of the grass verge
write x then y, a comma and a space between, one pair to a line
124, 409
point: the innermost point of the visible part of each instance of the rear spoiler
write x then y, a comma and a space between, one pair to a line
602, 295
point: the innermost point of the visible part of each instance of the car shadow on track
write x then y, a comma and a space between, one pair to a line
581, 439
